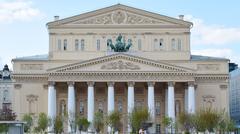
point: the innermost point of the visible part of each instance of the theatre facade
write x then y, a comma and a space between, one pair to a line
118, 58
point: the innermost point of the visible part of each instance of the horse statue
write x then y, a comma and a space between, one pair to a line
119, 45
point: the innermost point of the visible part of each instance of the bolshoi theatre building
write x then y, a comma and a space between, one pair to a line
118, 58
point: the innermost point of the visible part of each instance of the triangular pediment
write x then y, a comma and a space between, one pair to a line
120, 62
118, 15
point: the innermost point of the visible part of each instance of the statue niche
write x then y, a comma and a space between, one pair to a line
119, 46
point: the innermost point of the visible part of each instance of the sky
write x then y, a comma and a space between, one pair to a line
215, 32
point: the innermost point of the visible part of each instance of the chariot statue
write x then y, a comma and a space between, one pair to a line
119, 46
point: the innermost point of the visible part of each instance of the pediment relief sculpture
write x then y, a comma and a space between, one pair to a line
120, 65
119, 17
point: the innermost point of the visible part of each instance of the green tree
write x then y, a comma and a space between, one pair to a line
98, 121
29, 122
82, 124
58, 125
42, 123
137, 117
113, 120
167, 123
4, 128
185, 120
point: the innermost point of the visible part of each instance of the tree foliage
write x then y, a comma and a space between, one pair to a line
58, 125
137, 117
4, 128
113, 120
82, 123
42, 123
29, 122
98, 121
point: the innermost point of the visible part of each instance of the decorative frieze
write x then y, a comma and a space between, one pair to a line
119, 17
120, 65
32, 98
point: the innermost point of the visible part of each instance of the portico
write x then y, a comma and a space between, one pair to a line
121, 88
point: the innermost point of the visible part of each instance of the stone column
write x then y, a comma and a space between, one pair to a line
71, 107
91, 99
191, 97
110, 100
171, 101
151, 105
186, 97
130, 100
151, 99
51, 103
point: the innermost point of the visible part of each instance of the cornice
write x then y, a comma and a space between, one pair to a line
121, 76
30, 77
117, 56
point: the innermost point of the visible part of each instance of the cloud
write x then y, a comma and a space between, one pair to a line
205, 34
224, 53
18, 11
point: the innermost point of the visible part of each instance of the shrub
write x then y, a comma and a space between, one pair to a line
58, 125
113, 120
82, 124
137, 117
29, 122
42, 123
98, 121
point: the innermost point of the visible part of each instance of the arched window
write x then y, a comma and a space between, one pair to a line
82, 45
161, 44
179, 44
98, 45
65, 44
139, 44
156, 45
59, 45
76, 44
5, 95
173, 44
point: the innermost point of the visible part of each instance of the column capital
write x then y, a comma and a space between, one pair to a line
110, 84
151, 84
51, 83
90, 83
171, 84
70, 83
191, 83
131, 84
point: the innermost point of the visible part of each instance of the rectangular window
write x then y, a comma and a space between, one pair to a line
158, 128
65, 44
173, 44
81, 108
82, 45
158, 108
98, 45
179, 44
76, 45
59, 45
161, 44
